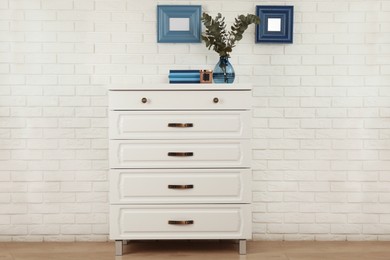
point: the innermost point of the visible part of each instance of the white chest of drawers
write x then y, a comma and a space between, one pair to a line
180, 160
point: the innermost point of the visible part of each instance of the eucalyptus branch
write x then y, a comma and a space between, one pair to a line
218, 38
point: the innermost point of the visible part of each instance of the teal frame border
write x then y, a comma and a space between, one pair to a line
164, 12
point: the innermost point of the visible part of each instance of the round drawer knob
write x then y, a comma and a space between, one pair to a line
215, 100
144, 100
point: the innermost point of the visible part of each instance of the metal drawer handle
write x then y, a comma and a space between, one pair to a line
144, 100
181, 187
180, 222
181, 125
181, 154
215, 100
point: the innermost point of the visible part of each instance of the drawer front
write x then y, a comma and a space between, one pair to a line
180, 154
180, 186
172, 100
180, 222
179, 124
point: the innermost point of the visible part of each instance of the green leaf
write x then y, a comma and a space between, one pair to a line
222, 41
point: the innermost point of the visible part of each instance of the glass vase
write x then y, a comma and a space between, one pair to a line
223, 71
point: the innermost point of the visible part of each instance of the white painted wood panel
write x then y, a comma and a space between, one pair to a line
180, 153
184, 87
184, 100
200, 153
219, 221
180, 124
191, 186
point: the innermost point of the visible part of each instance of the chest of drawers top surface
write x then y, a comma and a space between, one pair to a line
173, 87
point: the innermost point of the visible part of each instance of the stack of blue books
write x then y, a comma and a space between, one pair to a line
184, 76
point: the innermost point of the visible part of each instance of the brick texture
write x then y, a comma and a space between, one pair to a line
320, 118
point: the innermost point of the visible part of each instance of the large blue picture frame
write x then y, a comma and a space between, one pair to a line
179, 23
276, 24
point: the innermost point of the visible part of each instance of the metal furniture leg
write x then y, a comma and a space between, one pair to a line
242, 247
118, 247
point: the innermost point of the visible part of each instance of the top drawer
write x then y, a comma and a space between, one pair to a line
174, 100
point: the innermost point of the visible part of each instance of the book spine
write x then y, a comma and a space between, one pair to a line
184, 71
184, 78
184, 75
184, 82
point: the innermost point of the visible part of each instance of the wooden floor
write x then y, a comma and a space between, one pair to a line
198, 250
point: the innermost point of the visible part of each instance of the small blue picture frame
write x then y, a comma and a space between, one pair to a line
276, 24
178, 23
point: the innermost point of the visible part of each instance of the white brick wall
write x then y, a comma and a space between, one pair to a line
320, 119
